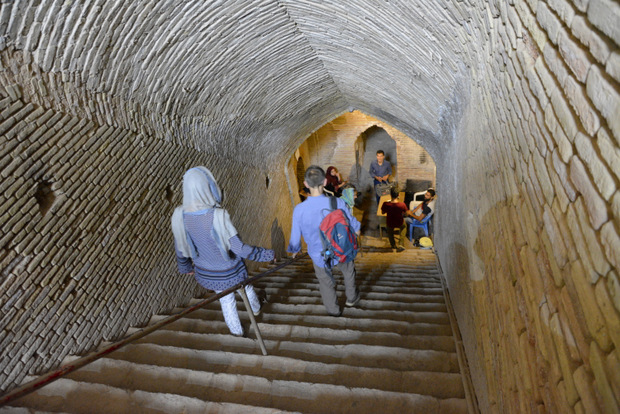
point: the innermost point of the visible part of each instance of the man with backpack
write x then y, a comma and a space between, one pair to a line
330, 232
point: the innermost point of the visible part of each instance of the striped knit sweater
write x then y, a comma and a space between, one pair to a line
212, 270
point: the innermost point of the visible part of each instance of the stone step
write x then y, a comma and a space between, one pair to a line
296, 333
73, 397
368, 287
399, 278
410, 300
257, 391
273, 311
393, 352
356, 355
272, 368
368, 303
363, 323
364, 285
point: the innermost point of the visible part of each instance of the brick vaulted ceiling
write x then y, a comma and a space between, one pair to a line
222, 74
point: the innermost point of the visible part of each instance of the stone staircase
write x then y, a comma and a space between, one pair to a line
394, 353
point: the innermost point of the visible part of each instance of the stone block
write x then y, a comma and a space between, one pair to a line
563, 225
590, 243
556, 64
558, 189
584, 384
543, 177
605, 98
564, 10
612, 369
562, 142
565, 116
612, 318
544, 73
548, 21
611, 243
566, 365
11, 111
613, 288
609, 151
603, 179
7, 125
587, 302
613, 65
580, 103
537, 88
556, 236
574, 56
575, 316
596, 206
598, 47
605, 15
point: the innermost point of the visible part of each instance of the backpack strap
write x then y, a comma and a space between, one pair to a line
333, 203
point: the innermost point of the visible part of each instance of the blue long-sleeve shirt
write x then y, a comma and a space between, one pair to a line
307, 218
377, 170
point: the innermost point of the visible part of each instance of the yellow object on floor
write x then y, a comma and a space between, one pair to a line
426, 242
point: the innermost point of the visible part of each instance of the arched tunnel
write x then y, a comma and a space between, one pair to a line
104, 104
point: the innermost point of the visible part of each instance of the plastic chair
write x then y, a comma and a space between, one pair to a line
418, 198
423, 224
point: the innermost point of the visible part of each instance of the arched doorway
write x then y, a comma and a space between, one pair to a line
366, 146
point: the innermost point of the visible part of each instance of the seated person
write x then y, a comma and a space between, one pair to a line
431, 204
422, 210
348, 196
394, 210
334, 181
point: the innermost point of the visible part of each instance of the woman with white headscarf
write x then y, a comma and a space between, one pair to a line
207, 244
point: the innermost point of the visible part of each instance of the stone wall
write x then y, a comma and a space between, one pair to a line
86, 249
535, 279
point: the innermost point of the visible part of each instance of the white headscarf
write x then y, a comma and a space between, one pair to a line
201, 192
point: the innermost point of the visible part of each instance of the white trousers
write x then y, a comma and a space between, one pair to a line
229, 309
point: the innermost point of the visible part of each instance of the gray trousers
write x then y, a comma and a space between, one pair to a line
327, 285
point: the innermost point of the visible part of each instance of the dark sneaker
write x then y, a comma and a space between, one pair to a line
401, 248
335, 314
355, 302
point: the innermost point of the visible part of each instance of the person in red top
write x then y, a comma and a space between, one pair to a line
395, 210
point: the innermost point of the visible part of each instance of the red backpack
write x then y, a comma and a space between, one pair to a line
338, 237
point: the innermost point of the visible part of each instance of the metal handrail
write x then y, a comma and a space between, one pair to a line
80, 362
